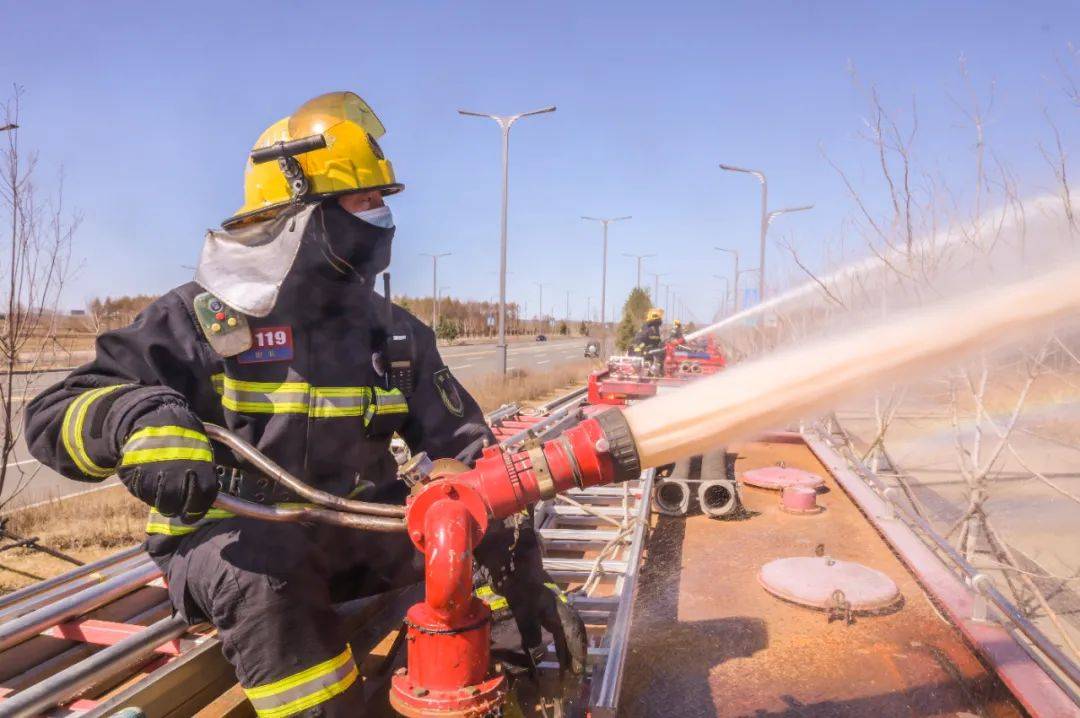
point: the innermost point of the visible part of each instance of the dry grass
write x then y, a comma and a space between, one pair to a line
91, 526
87, 527
523, 386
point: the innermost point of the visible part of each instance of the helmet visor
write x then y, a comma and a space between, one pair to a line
323, 112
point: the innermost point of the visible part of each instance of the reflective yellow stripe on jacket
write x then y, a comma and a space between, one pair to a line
71, 431
387, 402
173, 526
497, 602
305, 689
264, 397
493, 600
166, 443
331, 401
294, 397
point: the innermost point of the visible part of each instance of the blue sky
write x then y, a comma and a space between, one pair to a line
151, 109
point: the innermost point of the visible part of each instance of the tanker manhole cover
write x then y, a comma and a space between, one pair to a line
780, 477
818, 582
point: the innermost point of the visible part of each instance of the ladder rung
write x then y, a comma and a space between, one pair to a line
583, 565
635, 491
613, 511
578, 534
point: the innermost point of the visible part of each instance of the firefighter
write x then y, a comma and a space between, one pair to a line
676, 334
282, 340
648, 339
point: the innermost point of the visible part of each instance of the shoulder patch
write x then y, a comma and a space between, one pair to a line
447, 386
225, 328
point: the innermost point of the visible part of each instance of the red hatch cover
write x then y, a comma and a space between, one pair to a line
814, 581
779, 477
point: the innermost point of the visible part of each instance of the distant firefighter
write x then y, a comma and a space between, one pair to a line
676, 334
648, 338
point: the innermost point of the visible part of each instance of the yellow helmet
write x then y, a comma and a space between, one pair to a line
654, 314
677, 323
326, 148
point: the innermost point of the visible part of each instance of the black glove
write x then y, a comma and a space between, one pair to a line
167, 462
510, 559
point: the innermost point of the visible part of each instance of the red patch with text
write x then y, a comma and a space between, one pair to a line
268, 344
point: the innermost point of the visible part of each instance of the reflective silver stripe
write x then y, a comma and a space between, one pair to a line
329, 401
71, 431
165, 442
174, 526
287, 399
386, 402
305, 689
251, 397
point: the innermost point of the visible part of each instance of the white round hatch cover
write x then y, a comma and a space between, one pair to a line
780, 477
814, 581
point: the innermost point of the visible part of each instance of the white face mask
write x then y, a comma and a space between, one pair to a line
379, 216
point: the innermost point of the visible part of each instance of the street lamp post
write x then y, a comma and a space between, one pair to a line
734, 273
727, 290
766, 219
442, 293
434, 284
603, 274
745, 271
540, 305
656, 285
638, 257
504, 122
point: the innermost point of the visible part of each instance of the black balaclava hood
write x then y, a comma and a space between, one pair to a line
336, 264
341, 247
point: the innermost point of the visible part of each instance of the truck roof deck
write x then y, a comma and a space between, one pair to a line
708, 640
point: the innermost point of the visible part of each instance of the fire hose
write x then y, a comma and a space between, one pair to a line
449, 670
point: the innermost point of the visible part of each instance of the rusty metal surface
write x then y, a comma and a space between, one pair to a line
822, 582
707, 640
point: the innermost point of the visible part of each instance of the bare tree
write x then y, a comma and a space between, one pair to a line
923, 238
39, 235
1068, 67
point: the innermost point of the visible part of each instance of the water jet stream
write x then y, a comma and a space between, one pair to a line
797, 383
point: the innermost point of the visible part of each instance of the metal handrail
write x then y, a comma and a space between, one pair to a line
86, 570
29, 625
569, 396
975, 578
541, 425
66, 684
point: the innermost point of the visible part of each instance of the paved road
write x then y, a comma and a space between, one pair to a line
467, 362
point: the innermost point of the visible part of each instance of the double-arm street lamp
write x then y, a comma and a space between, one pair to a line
504, 122
766, 219
638, 257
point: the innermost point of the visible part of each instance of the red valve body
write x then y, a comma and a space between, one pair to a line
449, 633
